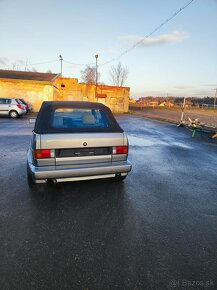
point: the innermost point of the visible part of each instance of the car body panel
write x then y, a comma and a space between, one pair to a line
76, 140
82, 140
27, 105
77, 155
51, 173
83, 160
8, 105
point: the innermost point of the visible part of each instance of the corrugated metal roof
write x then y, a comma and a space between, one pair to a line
24, 75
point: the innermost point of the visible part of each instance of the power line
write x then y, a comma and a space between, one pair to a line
125, 51
28, 64
45, 62
139, 42
78, 64
150, 33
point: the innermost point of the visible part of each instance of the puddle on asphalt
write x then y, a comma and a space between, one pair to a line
179, 144
137, 141
142, 142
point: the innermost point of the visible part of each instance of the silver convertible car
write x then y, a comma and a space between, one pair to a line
76, 141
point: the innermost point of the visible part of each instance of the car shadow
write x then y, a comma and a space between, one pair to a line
76, 192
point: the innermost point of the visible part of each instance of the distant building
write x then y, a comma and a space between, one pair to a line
148, 101
166, 104
188, 103
132, 101
37, 87
31, 86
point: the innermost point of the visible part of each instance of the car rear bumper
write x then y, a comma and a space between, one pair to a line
42, 174
21, 111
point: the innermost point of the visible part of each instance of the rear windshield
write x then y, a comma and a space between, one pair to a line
69, 118
19, 101
75, 117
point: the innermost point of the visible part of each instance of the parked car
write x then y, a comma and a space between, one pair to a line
27, 105
12, 107
76, 141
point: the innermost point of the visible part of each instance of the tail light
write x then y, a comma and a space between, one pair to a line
44, 153
20, 106
120, 150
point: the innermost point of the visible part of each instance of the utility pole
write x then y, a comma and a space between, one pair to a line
96, 56
61, 63
183, 108
26, 65
215, 98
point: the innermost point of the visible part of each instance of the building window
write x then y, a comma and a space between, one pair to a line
113, 101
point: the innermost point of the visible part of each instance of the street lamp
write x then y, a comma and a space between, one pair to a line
96, 56
215, 98
61, 61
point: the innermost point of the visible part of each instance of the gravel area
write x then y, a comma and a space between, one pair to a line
173, 116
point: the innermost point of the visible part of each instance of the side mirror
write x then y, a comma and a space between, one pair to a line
32, 120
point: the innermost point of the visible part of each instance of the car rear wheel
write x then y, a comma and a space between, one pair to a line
35, 187
13, 114
31, 183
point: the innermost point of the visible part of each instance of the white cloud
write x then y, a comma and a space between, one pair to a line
174, 37
211, 85
205, 92
20, 61
3, 60
183, 87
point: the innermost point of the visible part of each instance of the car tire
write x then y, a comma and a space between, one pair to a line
31, 183
13, 114
35, 187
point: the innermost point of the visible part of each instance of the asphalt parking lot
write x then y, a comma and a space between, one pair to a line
156, 230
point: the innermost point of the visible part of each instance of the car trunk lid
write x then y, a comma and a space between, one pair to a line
82, 148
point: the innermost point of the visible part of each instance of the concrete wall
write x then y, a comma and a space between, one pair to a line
65, 89
34, 92
117, 98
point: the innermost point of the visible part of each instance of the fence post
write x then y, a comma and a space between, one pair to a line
183, 108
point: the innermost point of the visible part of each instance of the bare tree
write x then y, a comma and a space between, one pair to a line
88, 75
118, 75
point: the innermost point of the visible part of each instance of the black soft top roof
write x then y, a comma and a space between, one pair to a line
44, 118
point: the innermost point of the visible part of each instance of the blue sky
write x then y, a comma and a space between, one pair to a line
179, 59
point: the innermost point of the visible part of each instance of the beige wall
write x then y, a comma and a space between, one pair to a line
117, 98
65, 89
31, 91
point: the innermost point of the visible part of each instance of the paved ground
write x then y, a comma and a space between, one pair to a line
157, 230
209, 117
